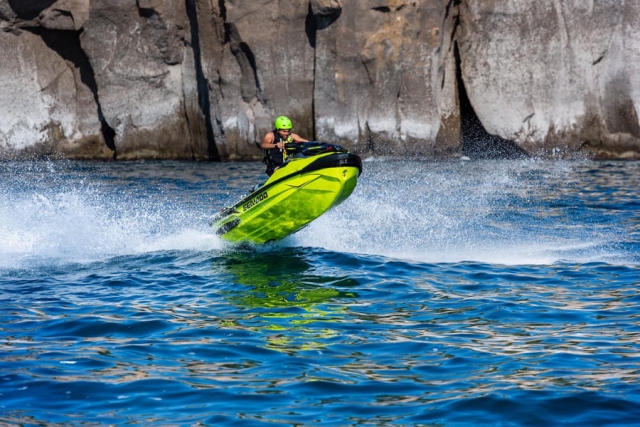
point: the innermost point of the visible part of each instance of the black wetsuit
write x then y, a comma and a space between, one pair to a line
274, 157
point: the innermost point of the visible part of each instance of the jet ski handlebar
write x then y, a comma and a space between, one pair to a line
312, 148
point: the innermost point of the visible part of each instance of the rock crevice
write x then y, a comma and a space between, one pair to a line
202, 82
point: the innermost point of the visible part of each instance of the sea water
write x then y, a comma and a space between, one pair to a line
497, 293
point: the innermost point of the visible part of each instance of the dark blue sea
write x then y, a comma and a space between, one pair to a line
483, 293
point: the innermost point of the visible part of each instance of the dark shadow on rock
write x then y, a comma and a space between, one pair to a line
29, 9
249, 83
201, 81
67, 45
314, 23
310, 27
477, 143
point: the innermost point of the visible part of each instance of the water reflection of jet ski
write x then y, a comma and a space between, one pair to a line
259, 283
315, 178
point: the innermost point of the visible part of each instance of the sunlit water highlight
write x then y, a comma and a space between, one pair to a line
440, 294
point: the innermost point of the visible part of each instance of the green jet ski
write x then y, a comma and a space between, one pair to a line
315, 178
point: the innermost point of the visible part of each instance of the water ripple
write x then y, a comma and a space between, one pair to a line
494, 301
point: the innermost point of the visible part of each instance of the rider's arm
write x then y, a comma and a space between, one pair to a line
298, 138
267, 142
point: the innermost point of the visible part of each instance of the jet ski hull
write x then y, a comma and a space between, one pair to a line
294, 195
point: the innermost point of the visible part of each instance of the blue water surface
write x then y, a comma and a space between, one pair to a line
497, 293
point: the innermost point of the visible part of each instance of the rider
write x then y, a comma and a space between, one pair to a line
274, 141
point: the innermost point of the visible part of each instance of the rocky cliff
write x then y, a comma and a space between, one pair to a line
204, 79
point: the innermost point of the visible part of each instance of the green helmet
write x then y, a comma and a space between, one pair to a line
283, 122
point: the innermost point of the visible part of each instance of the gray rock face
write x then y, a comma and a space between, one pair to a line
554, 74
44, 106
261, 67
200, 79
381, 77
137, 54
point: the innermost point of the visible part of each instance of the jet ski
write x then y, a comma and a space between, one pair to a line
314, 178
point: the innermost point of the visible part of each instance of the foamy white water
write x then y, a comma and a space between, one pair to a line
524, 212
493, 212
